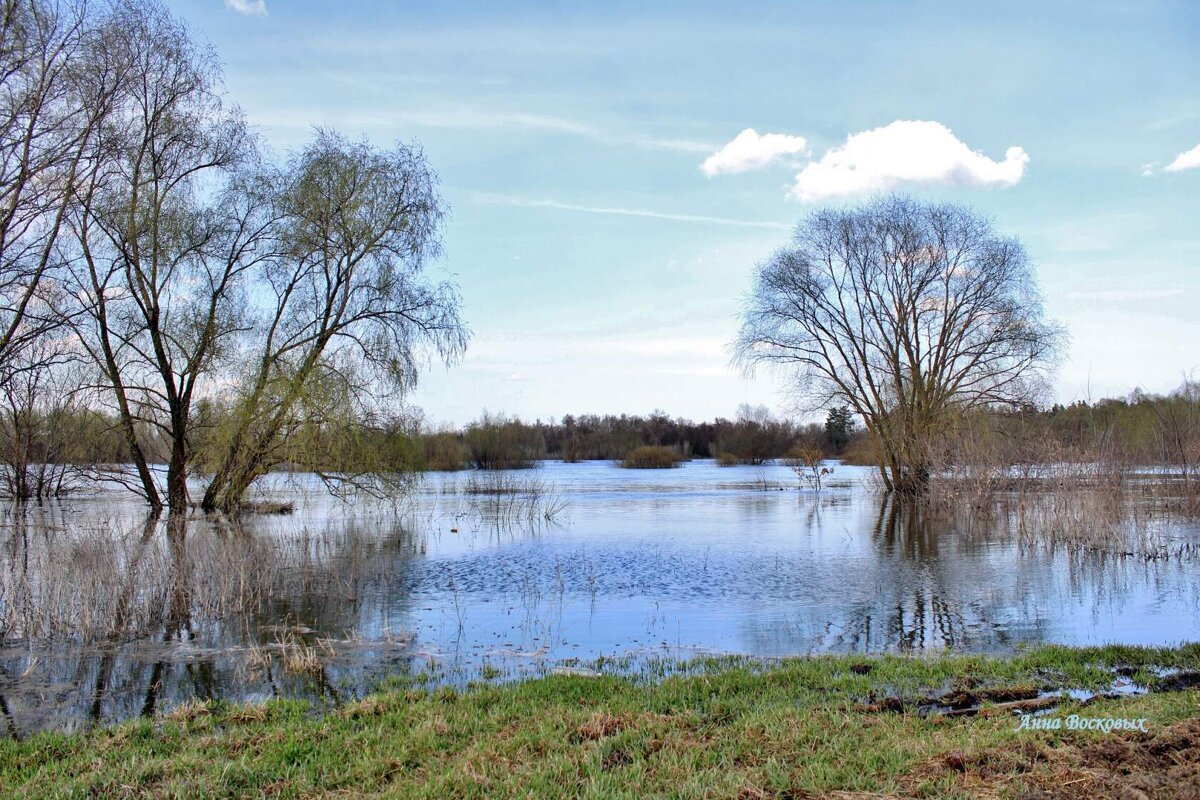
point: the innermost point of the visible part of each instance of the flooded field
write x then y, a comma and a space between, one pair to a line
104, 616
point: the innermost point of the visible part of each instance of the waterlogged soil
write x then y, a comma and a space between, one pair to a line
584, 567
1162, 763
966, 695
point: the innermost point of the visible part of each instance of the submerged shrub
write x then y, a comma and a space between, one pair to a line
806, 463
651, 457
443, 451
496, 442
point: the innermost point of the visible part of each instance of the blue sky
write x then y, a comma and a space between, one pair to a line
602, 267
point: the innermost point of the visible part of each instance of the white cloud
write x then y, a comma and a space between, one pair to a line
523, 202
906, 151
467, 117
749, 150
1124, 295
1188, 160
253, 8
474, 118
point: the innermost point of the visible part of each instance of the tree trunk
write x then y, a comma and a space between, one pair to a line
177, 474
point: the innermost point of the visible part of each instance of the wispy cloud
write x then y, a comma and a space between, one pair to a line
749, 150
1124, 295
252, 8
525, 202
904, 152
1180, 116
478, 119
516, 357
469, 117
1186, 160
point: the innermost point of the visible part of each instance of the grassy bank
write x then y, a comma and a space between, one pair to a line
812, 727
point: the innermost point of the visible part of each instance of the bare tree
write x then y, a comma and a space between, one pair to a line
349, 311
52, 113
46, 127
756, 437
907, 312
166, 227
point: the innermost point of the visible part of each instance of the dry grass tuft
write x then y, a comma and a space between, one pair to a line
247, 713
297, 657
191, 711
603, 724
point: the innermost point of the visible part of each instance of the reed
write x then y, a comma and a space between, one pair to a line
507, 497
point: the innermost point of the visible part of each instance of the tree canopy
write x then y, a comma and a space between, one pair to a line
906, 312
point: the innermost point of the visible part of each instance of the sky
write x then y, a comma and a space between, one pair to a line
616, 170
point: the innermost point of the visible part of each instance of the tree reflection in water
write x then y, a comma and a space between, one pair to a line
111, 620
105, 617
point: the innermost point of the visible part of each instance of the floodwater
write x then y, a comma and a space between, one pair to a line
105, 616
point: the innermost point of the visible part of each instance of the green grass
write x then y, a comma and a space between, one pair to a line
712, 728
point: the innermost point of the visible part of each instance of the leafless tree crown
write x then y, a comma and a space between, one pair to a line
906, 312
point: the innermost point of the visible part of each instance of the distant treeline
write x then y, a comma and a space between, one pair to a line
1139, 429
86, 438
754, 437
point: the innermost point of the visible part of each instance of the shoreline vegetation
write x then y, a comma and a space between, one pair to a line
1139, 430
947, 725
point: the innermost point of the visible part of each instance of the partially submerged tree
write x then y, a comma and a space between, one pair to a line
1177, 429
906, 312
166, 228
754, 438
49, 124
346, 309
495, 441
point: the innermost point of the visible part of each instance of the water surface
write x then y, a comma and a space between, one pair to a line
106, 616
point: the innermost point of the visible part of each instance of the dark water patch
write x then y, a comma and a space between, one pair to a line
1178, 682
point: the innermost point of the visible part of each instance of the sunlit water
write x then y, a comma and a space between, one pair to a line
106, 619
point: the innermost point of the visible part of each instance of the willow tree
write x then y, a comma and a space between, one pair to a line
166, 227
907, 312
344, 315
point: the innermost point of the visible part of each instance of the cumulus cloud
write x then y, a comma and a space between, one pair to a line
253, 8
1188, 160
906, 151
749, 150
